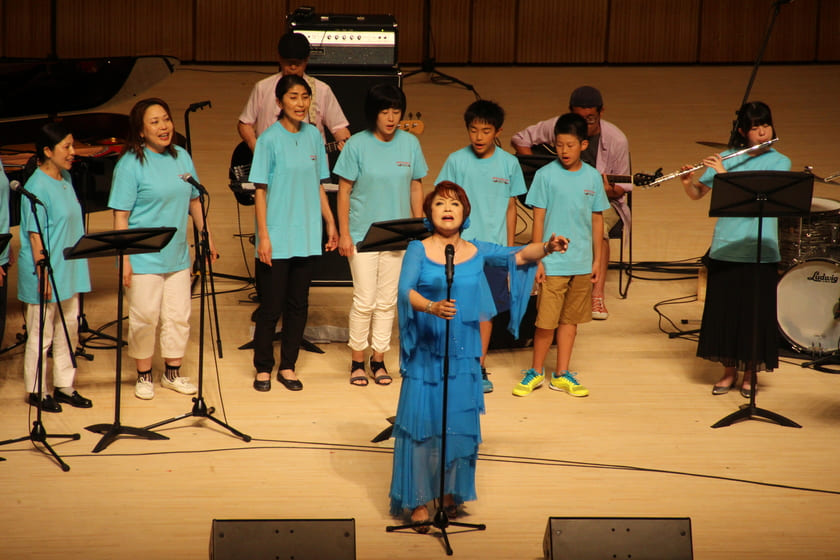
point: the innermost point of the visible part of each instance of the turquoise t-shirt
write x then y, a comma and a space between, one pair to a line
382, 173
292, 165
734, 239
569, 199
490, 183
155, 196
62, 226
4, 211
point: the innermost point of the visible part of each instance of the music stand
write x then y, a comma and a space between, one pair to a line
392, 235
119, 243
760, 194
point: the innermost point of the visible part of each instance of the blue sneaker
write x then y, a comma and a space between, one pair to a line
486, 384
531, 381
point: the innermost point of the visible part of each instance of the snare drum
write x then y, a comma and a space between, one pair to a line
808, 306
816, 235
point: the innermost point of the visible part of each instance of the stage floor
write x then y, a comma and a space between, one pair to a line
640, 445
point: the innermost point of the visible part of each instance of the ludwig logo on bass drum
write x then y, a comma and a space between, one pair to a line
818, 276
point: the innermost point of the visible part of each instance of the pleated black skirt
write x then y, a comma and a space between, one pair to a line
739, 318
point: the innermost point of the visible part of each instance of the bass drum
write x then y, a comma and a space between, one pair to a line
808, 306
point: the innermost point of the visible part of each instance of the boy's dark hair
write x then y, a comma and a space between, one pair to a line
380, 97
571, 123
485, 111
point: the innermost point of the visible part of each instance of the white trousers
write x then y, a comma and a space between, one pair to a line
376, 276
62, 365
164, 299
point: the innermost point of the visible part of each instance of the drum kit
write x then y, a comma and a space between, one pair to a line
808, 296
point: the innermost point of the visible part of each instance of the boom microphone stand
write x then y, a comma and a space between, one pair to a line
199, 408
45, 274
428, 63
441, 519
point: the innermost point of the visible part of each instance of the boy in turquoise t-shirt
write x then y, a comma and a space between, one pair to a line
567, 196
492, 179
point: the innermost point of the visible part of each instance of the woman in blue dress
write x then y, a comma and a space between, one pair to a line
60, 218
423, 312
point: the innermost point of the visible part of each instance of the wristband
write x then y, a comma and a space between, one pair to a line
429, 307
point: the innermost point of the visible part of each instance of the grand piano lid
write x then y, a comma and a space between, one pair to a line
48, 87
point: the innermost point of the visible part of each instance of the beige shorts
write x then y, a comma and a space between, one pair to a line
564, 300
611, 218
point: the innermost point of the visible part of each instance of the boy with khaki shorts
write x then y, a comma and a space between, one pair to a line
567, 196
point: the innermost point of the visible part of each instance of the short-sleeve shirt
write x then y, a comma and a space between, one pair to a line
262, 110
291, 165
734, 239
489, 183
155, 196
62, 225
382, 173
569, 199
4, 211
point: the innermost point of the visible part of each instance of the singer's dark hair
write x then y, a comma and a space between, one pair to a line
485, 111
447, 189
48, 136
135, 144
571, 123
380, 97
288, 82
753, 113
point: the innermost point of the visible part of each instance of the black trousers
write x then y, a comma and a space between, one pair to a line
284, 292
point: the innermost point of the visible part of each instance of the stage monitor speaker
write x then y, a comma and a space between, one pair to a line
636, 538
272, 539
350, 88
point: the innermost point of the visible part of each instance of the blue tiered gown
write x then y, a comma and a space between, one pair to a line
417, 429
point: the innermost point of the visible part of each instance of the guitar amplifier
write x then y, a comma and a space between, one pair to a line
348, 40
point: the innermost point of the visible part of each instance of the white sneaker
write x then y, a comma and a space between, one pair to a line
179, 384
144, 389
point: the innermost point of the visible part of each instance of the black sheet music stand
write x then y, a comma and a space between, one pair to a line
118, 243
392, 235
760, 194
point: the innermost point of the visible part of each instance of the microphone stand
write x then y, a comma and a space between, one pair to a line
45, 274
777, 6
441, 519
200, 408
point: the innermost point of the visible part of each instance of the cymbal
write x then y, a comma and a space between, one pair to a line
718, 145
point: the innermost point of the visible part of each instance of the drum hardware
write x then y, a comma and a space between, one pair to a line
816, 235
662, 178
808, 311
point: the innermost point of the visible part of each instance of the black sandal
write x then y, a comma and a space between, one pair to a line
358, 380
383, 379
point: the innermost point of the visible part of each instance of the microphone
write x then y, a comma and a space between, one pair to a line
200, 105
450, 264
18, 188
186, 177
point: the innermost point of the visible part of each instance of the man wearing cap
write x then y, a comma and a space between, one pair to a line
262, 110
608, 152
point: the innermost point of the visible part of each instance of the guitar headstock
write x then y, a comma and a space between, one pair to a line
646, 180
413, 126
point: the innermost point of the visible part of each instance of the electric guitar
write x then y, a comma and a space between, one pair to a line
638, 179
